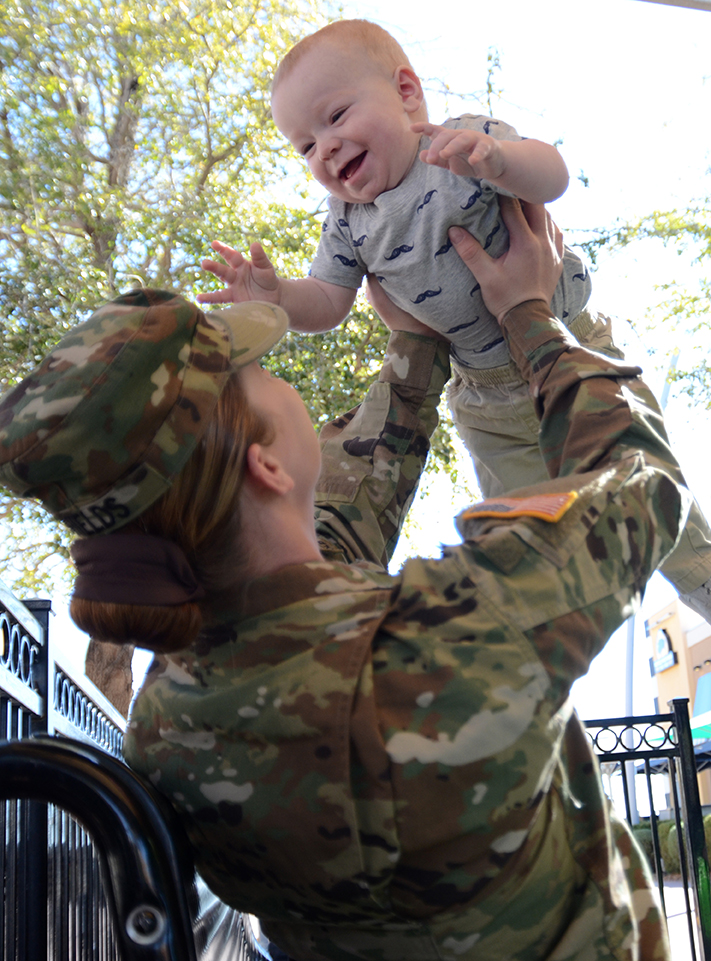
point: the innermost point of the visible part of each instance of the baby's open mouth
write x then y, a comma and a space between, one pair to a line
351, 167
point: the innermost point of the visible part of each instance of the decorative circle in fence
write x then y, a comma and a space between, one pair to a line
78, 708
18, 651
623, 737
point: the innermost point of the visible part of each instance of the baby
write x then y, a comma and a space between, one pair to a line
349, 101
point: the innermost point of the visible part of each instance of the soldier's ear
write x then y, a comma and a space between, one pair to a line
265, 471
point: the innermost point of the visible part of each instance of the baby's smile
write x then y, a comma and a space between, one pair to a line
352, 167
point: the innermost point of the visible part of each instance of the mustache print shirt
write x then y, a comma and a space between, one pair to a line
402, 238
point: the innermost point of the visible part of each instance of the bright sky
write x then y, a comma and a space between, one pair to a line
622, 84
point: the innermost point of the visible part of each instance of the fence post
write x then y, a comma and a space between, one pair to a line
40, 610
34, 830
694, 837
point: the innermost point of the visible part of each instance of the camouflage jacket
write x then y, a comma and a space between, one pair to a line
388, 767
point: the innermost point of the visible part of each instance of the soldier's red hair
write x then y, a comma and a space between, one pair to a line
200, 512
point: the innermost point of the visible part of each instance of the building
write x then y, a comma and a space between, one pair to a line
680, 661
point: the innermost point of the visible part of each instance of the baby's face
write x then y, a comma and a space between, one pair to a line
350, 121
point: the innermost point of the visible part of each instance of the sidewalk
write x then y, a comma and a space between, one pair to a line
677, 921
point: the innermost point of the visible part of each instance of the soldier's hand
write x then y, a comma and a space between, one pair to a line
530, 268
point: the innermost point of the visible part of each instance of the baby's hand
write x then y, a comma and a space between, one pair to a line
467, 153
244, 279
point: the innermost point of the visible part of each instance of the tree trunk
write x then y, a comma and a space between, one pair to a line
109, 667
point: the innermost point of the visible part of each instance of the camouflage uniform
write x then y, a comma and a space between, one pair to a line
388, 767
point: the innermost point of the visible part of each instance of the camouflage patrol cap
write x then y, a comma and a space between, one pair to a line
100, 429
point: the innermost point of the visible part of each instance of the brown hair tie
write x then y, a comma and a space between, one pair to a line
133, 569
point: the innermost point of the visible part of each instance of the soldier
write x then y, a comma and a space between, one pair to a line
377, 766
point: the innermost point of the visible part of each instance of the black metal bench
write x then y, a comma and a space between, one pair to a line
148, 875
140, 844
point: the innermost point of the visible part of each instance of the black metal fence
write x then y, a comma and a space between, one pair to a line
646, 748
54, 906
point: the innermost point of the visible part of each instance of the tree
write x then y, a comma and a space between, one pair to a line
130, 136
682, 310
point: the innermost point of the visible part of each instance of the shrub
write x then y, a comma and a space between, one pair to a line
669, 845
643, 835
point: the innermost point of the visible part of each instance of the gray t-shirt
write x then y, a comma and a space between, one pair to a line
402, 238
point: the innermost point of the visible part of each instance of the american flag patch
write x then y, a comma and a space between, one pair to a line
547, 507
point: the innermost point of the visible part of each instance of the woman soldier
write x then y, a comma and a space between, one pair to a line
378, 766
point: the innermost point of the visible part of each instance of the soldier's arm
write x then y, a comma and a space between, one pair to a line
373, 456
592, 409
567, 560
